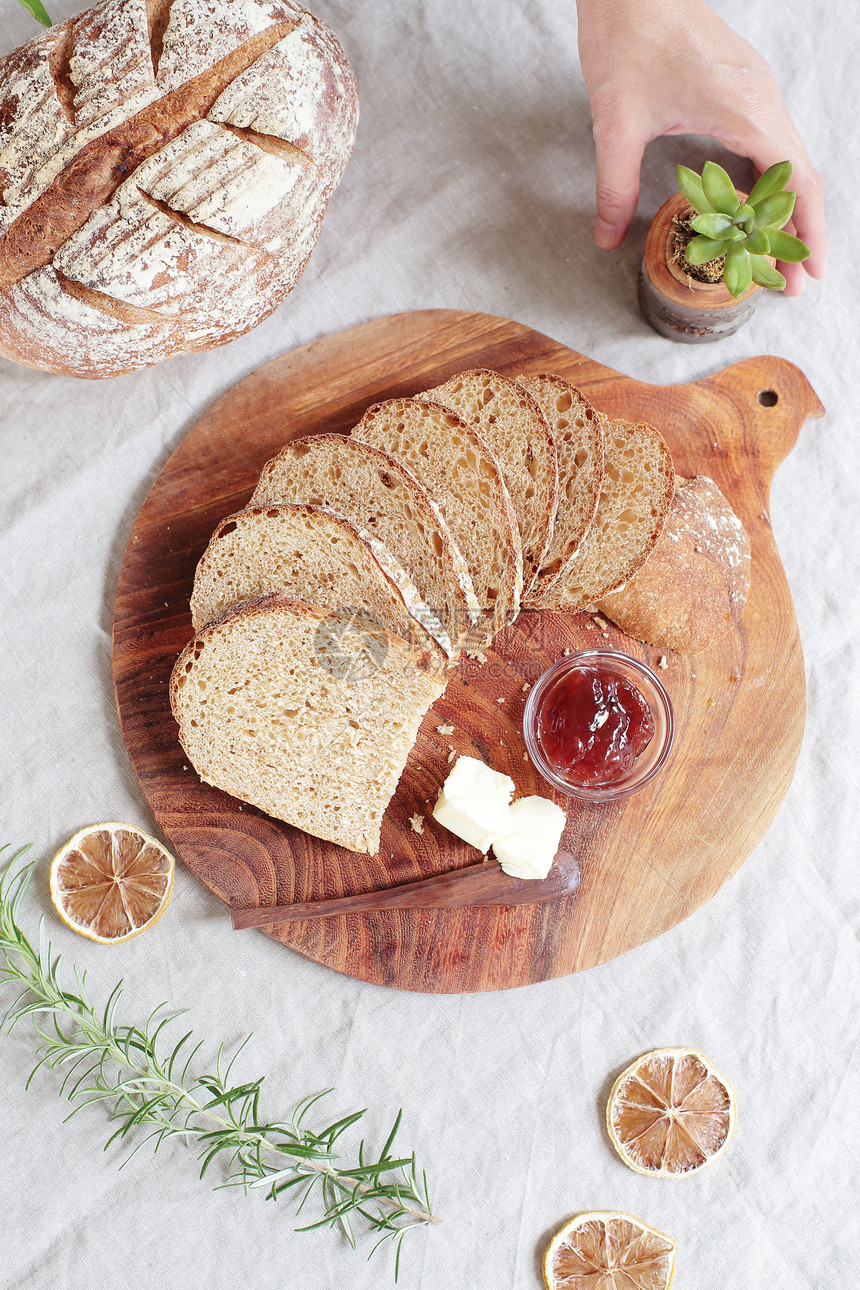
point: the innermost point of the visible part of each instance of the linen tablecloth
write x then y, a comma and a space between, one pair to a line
471, 187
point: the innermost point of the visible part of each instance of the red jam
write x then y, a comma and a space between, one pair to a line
592, 725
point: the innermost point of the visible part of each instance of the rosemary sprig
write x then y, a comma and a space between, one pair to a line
146, 1083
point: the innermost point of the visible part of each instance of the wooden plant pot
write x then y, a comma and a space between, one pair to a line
676, 305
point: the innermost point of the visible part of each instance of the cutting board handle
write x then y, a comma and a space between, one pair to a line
773, 399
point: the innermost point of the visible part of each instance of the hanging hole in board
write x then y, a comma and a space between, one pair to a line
768, 398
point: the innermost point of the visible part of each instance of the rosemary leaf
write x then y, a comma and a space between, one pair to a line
145, 1082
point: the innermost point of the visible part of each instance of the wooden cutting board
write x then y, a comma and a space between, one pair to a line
648, 862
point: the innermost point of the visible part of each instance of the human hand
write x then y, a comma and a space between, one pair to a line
655, 67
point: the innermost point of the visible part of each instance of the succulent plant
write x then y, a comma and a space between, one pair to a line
745, 232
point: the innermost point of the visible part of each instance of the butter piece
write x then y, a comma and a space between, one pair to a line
474, 802
527, 846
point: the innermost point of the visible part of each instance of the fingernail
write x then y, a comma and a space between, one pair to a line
605, 234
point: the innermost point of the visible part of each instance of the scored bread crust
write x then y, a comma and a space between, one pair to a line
310, 553
164, 171
455, 465
578, 433
637, 491
379, 493
517, 433
305, 713
693, 587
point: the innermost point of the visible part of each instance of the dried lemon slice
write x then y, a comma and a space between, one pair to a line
111, 881
670, 1113
608, 1250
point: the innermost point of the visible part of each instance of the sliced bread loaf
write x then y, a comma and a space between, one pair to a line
305, 713
692, 588
310, 553
452, 461
576, 428
378, 493
517, 433
638, 486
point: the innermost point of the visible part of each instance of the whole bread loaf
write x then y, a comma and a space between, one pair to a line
165, 167
304, 712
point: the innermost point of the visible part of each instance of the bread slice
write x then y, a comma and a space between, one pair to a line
637, 491
307, 714
576, 428
692, 588
517, 433
310, 553
454, 464
378, 493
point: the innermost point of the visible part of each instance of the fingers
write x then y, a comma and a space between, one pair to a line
808, 221
794, 275
808, 218
619, 156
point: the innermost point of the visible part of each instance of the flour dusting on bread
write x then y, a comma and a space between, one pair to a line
692, 590
174, 157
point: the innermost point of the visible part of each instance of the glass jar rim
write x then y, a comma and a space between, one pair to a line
664, 723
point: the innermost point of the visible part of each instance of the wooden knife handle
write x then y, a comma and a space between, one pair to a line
479, 884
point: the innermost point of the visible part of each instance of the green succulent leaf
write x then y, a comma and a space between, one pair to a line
773, 180
787, 247
765, 274
757, 242
702, 249
690, 185
736, 234
719, 189
737, 274
38, 11
712, 224
745, 216
774, 211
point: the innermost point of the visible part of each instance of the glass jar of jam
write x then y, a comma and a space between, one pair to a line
598, 725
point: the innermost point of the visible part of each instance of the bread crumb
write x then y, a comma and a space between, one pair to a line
664, 662
417, 823
692, 676
567, 651
501, 700
451, 755
605, 633
445, 730
481, 657
526, 687
601, 622
525, 756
